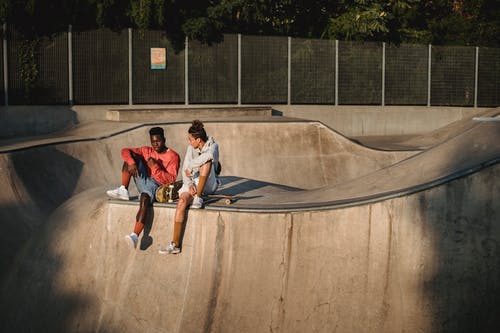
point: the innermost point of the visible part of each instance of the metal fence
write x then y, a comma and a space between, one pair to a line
105, 67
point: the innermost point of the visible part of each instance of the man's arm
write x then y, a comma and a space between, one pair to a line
186, 179
208, 155
126, 154
165, 171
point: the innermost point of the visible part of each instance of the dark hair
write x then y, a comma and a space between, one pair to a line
197, 130
156, 131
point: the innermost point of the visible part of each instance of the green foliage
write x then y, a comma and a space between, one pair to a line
363, 21
396, 21
4, 10
203, 29
27, 66
147, 13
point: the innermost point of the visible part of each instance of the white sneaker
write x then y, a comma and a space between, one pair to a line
197, 202
170, 249
132, 240
119, 193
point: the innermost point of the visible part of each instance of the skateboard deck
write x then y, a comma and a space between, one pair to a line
211, 198
226, 199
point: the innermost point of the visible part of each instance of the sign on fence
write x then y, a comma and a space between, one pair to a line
158, 58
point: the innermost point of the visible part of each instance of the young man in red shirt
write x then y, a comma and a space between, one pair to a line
151, 167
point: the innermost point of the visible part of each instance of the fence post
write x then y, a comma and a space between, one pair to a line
186, 72
383, 73
5, 66
130, 78
70, 65
289, 80
336, 72
429, 68
476, 76
239, 69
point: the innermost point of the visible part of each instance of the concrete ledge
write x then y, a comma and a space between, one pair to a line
361, 120
145, 114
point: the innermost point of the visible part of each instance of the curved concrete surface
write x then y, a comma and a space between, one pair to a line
40, 175
326, 236
425, 141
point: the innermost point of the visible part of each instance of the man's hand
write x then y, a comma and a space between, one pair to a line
188, 173
192, 189
151, 162
132, 169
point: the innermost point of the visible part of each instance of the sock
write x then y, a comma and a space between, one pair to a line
201, 185
139, 226
177, 233
125, 179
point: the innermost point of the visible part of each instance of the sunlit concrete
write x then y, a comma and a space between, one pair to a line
326, 235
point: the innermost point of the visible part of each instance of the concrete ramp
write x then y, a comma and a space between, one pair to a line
398, 242
39, 175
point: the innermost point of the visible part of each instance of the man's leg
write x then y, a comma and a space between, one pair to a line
204, 172
185, 199
142, 214
202, 181
122, 191
140, 218
126, 176
147, 188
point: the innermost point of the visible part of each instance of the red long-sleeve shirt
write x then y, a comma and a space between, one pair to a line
165, 171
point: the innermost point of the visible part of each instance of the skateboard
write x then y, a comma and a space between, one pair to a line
226, 199
169, 192
207, 199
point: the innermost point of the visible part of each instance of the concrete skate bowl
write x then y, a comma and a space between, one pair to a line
399, 242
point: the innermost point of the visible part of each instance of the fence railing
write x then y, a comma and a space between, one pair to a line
105, 67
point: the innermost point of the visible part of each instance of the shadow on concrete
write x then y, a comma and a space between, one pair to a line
233, 185
33, 298
41, 180
465, 289
146, 239
27, 121
49, 175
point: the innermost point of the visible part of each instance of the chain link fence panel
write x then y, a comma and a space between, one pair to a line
37, 69
2, 85
313, 71
100, 62
152, 86
406, 74
213, 71
264, 69
452, 76
488, 89
360, 73
100, 67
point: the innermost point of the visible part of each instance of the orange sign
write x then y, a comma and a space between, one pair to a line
158, 58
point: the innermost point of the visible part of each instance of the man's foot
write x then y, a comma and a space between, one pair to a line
197, 202
170, 249
119, 193
132, 240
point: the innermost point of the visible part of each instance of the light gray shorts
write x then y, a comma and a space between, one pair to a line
210, 187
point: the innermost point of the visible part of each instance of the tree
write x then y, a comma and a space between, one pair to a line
469, 22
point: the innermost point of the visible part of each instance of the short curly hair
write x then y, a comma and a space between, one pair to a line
157, 131
197, 130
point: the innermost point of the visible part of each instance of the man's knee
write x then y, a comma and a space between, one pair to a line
125, 167
145, 199
183, 200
